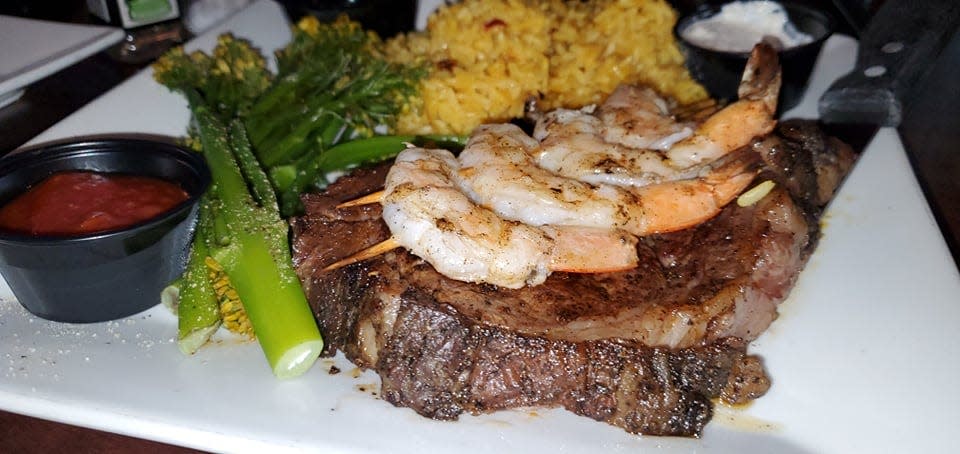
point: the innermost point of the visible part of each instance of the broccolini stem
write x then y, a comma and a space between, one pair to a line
298, 175
292, 142
331, 131
277, 123
198, 313
271, 128
310, 170
257, 260
287, 89
378, 148
220, 234
282, 92
285, 103
307, 170
283, 177
252, 172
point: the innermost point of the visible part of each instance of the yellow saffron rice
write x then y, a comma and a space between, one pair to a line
487, 58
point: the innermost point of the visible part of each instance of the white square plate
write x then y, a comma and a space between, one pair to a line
864, 356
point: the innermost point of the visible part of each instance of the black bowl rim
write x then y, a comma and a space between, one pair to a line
10, 163
707, 10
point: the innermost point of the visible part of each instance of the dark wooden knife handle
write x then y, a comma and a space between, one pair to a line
897, 47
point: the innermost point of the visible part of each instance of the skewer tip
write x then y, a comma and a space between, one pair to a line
373, 197
370, 252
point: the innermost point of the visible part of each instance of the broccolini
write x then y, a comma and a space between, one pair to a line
240, 227
332, 86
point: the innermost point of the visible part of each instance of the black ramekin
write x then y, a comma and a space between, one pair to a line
720, 72
107, 275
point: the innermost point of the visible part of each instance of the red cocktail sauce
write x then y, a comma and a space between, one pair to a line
78, 202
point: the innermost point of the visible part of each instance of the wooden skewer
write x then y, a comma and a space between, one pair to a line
697, 111
695, 106
703, 114
372, 251
373, 197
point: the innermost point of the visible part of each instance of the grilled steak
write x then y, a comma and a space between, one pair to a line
644, 349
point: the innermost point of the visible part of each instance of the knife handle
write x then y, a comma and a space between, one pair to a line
899, 44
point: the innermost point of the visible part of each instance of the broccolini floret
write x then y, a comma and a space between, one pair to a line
230, 80
232, 313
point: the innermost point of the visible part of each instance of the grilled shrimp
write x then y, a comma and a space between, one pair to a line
633, 141
632, 116
574, 145
512, 209
734, 126
430, 216
498, 172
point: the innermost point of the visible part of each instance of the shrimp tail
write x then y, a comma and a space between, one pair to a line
737, 124
761, 77
591, 250
731, 174
676, 205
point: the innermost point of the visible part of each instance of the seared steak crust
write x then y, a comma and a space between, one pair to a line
644, 350
441, 363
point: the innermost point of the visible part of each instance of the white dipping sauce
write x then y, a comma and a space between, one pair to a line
740, 25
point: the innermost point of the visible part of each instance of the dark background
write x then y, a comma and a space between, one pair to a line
51, 99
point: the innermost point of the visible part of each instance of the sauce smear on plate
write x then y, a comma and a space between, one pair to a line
79, 202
